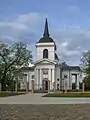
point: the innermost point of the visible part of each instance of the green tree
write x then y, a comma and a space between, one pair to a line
85, 66
12, 58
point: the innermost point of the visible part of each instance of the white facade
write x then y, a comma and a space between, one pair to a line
69, 79
49, 46
47, 67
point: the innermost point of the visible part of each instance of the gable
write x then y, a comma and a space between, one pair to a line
45, 61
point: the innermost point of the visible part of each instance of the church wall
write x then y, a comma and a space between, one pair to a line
51, 74
78, 77
49, 66
31, 77
54, 74
57, 71
65, 80
23, 84
68, 80
27, 78
50, 49
23, 81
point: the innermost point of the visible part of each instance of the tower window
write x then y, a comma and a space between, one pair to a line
45, 53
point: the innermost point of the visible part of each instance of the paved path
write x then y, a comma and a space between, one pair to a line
37, 99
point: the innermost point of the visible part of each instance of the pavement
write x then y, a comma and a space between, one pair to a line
37, 98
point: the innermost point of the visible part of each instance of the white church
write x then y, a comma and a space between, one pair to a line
48, 67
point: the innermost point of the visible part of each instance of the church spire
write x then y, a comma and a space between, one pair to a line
46, 31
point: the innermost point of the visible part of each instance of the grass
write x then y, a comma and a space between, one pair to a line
67, 95
7, 94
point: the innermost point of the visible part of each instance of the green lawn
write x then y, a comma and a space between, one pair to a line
67, 95
6, 94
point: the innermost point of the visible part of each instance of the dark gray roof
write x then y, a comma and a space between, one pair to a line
46, 31
71, 68
74, 67
27, 68
46, 37
56, 57
67, 67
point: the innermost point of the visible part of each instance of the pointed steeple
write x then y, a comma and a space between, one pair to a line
46, 31
46, 37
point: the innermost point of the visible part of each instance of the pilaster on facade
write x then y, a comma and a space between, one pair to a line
36, 83
70, 82
77, 82
40, 78
50, 78
53, 77
49, 74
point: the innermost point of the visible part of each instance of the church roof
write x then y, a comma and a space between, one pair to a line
56, 57
67, 67
71, 68
27, 68
46, 37
45, 61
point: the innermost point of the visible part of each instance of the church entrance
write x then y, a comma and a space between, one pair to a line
74, 81
45, 79
45, 84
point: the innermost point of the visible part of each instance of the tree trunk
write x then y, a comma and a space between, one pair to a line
16, 87
3, 81
0, 87
3, 88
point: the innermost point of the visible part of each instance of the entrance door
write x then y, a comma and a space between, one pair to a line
46, 85
74, 81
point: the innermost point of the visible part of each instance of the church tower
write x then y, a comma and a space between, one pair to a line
46, 46
46, 64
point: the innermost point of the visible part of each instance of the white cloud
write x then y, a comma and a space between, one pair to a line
22, 27
29, 18
64, 44
70, 40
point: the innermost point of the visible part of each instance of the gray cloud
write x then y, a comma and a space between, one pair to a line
23, 28
70, 40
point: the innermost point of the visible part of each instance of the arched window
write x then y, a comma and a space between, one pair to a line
45, 53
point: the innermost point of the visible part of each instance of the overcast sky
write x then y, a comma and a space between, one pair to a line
69, 25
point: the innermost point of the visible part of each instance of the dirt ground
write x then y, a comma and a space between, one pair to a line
45, 112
